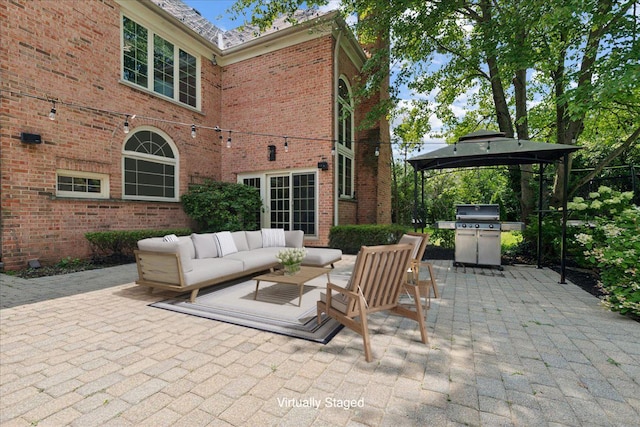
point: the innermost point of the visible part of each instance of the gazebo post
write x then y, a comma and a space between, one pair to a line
563, 249
540, 193
415, 197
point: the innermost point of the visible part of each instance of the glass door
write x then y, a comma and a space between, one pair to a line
280, 201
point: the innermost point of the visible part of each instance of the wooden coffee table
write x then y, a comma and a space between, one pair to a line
299, 279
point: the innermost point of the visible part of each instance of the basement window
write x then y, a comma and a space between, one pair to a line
78, 184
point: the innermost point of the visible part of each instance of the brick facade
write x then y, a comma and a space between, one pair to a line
71, 51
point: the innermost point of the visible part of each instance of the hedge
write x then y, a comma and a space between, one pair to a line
349, 238
121, 243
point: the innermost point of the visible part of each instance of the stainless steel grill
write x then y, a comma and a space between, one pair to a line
478, 230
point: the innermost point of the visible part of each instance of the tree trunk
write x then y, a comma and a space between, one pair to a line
527, 196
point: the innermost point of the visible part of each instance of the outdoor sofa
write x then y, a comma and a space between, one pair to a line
189, 263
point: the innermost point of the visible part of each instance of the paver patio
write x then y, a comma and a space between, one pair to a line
506, 348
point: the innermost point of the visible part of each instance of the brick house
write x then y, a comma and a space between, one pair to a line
283, 98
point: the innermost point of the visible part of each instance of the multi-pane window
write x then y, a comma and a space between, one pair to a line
139, 44
81, 184
304, 203
150, 167
346, 143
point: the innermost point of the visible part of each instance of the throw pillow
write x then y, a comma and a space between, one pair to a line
205, 245
224, 243
170, 238
273, 237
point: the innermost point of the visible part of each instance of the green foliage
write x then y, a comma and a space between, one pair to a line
612, 245
68, 262
349, 238
221, 206
121, 243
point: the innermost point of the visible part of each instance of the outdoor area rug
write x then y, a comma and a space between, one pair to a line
275, 310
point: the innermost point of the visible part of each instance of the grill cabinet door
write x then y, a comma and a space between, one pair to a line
466, 246
489, 247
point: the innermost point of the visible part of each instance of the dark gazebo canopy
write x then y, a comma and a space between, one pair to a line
489, 148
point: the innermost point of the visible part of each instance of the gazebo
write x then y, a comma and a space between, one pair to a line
490, 148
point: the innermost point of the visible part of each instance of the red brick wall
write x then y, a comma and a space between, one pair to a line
286, 92
71, 51
372, 174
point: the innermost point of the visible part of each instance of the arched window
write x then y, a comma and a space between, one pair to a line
346, 143
149, 162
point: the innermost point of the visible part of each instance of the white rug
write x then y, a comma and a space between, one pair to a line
275, 309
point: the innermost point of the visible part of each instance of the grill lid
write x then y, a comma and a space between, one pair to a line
477, 212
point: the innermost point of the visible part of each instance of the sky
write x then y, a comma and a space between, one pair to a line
216, 12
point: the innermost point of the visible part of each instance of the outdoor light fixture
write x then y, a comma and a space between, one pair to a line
272, 153
229, 140
125, 128
193, 131
286, 145
333, 149
52, 113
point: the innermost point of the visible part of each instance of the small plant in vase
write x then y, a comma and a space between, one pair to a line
291, 259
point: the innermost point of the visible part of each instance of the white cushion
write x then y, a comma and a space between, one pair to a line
181, 247
224, 243
294, 238
412, 240
273, 237
240, 239
319, 257
204, 245
170, 238
254, 239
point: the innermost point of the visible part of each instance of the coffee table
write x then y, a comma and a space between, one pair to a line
299, 279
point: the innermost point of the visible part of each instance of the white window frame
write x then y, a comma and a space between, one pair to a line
175, 162
104, 184
151, 32
342, 150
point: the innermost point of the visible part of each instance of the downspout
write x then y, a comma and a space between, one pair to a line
336, 77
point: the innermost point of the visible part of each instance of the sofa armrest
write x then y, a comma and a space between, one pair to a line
159, 268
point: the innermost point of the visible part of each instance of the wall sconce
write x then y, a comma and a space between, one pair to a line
30, 138
272, 153
323, 165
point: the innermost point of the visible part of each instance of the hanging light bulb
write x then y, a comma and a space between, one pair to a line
229, 140
52, 113
333, 149
455, 147
193, 131
286, 145
125, 128
377, 153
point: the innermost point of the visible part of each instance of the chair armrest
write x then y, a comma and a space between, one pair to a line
341, 290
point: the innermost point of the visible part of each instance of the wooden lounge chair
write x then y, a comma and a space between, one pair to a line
379, 277
419, 242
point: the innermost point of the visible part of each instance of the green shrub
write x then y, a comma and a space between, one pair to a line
121, 243
612, 245
222, 206
349, 238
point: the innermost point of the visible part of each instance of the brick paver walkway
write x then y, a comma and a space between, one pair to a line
506, 348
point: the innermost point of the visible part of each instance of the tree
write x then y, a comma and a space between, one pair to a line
530, 68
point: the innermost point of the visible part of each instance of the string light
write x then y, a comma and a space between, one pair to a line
286, 145
52, 113
377, 153
130, 117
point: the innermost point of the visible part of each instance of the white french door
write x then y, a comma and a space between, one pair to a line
290, 200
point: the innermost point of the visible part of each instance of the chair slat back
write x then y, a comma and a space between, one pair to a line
378, 275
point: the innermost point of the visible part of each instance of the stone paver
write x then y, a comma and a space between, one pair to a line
507, 348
